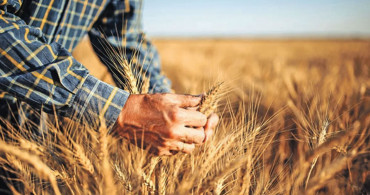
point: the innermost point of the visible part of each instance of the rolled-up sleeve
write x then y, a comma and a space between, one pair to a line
98, 100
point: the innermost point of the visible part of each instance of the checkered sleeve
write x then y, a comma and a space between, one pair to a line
47, 76
119, 28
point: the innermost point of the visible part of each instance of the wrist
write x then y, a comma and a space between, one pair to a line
126, 115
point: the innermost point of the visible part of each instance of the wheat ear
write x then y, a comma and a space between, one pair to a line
82, 159
145, 85
209, 101
322, 138
129, 77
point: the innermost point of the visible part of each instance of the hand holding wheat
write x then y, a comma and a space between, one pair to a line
164, 122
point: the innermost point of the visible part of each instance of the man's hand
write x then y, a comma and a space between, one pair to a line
167, 123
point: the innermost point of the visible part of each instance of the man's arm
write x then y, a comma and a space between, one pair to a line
47, 76
164, 120
121, 26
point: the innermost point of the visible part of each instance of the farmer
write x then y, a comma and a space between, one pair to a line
37, 70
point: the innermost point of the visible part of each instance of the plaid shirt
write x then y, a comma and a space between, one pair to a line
36, 65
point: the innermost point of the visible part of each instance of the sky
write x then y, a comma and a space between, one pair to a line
257, 18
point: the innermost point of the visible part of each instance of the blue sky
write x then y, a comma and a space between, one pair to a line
255, 18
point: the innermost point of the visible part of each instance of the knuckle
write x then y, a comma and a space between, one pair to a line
156, 97
174, 114
147, 97
168, 134
172, 134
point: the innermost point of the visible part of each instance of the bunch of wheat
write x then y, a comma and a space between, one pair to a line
317, 143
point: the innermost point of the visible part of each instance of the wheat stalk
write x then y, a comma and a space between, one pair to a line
328, 172
105, 168
42, 169
274, 155
213, 180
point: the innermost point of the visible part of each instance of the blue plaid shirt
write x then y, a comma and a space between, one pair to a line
36, 65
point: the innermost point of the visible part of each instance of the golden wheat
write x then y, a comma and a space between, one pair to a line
293, 124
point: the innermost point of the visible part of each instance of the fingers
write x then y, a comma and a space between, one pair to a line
194, 134
185, 138
185, 100
192, 118
173, 147
189, 135
192, 108
182, 147
210, 126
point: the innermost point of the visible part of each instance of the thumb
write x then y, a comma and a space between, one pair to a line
210, 126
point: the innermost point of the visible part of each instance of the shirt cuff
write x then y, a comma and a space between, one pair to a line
97, 102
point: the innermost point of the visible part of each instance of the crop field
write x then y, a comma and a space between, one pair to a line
295, 119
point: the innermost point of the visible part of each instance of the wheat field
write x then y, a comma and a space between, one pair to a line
294, 120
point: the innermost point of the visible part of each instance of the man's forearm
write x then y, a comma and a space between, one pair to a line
47, 77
